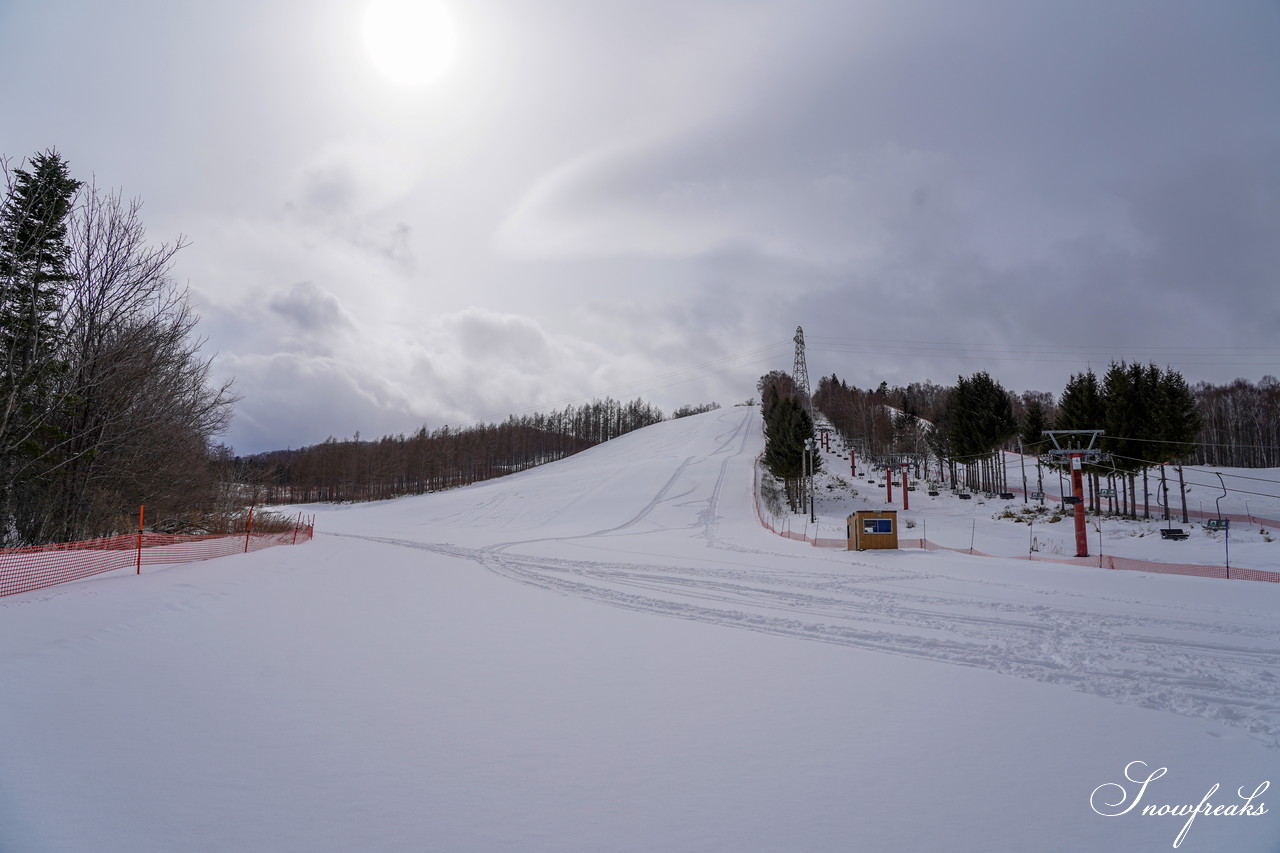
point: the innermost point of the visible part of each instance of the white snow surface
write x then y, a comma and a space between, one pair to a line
609, 653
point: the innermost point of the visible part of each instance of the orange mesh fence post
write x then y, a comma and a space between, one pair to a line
141, 509
248, 530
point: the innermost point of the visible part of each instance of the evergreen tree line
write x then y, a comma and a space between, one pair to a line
976, 423
105, 400
429, 461
1239, 422
1148, 415
787, 426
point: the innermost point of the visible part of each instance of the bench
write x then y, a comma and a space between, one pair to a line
1173, 533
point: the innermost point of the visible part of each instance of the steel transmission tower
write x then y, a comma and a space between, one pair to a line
800, 373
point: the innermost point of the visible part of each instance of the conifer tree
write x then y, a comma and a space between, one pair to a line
787, 427
1034, 423
1178, 417
33, 271
1126, 397
33, 261
1081, 405
978, 420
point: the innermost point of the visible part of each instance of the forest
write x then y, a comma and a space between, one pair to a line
106, 402
1241, 424
1148, 413
429, 461
1148, 416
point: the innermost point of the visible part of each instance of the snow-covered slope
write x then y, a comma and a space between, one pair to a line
609, 653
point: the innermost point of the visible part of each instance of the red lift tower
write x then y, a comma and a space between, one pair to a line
1078, 457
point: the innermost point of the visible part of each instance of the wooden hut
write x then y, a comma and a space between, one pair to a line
873, 529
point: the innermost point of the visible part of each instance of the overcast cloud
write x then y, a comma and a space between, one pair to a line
646, 198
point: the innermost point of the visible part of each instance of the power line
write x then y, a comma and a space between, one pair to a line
1229, 475
1201, 443
1060, 348
1205, 471
1211, 356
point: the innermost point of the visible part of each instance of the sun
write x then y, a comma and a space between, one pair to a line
410, 41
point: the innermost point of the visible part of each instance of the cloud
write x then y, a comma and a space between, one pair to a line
309, 398
311, 309
460, 368
672, 198
647, 198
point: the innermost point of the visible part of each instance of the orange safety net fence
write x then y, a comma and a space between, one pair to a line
1107, 561
40, 566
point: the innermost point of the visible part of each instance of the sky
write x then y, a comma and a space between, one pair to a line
538, 204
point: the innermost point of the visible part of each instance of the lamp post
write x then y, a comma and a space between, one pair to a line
808, 449
804, 472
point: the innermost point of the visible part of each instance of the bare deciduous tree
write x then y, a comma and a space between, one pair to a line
130, 410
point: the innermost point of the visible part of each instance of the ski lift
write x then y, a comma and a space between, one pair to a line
1219, 523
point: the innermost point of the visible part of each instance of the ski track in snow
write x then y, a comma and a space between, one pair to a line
1189, 662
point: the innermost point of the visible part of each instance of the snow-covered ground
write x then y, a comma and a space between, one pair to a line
611, 654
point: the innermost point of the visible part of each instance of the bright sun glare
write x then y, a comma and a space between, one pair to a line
410, 41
